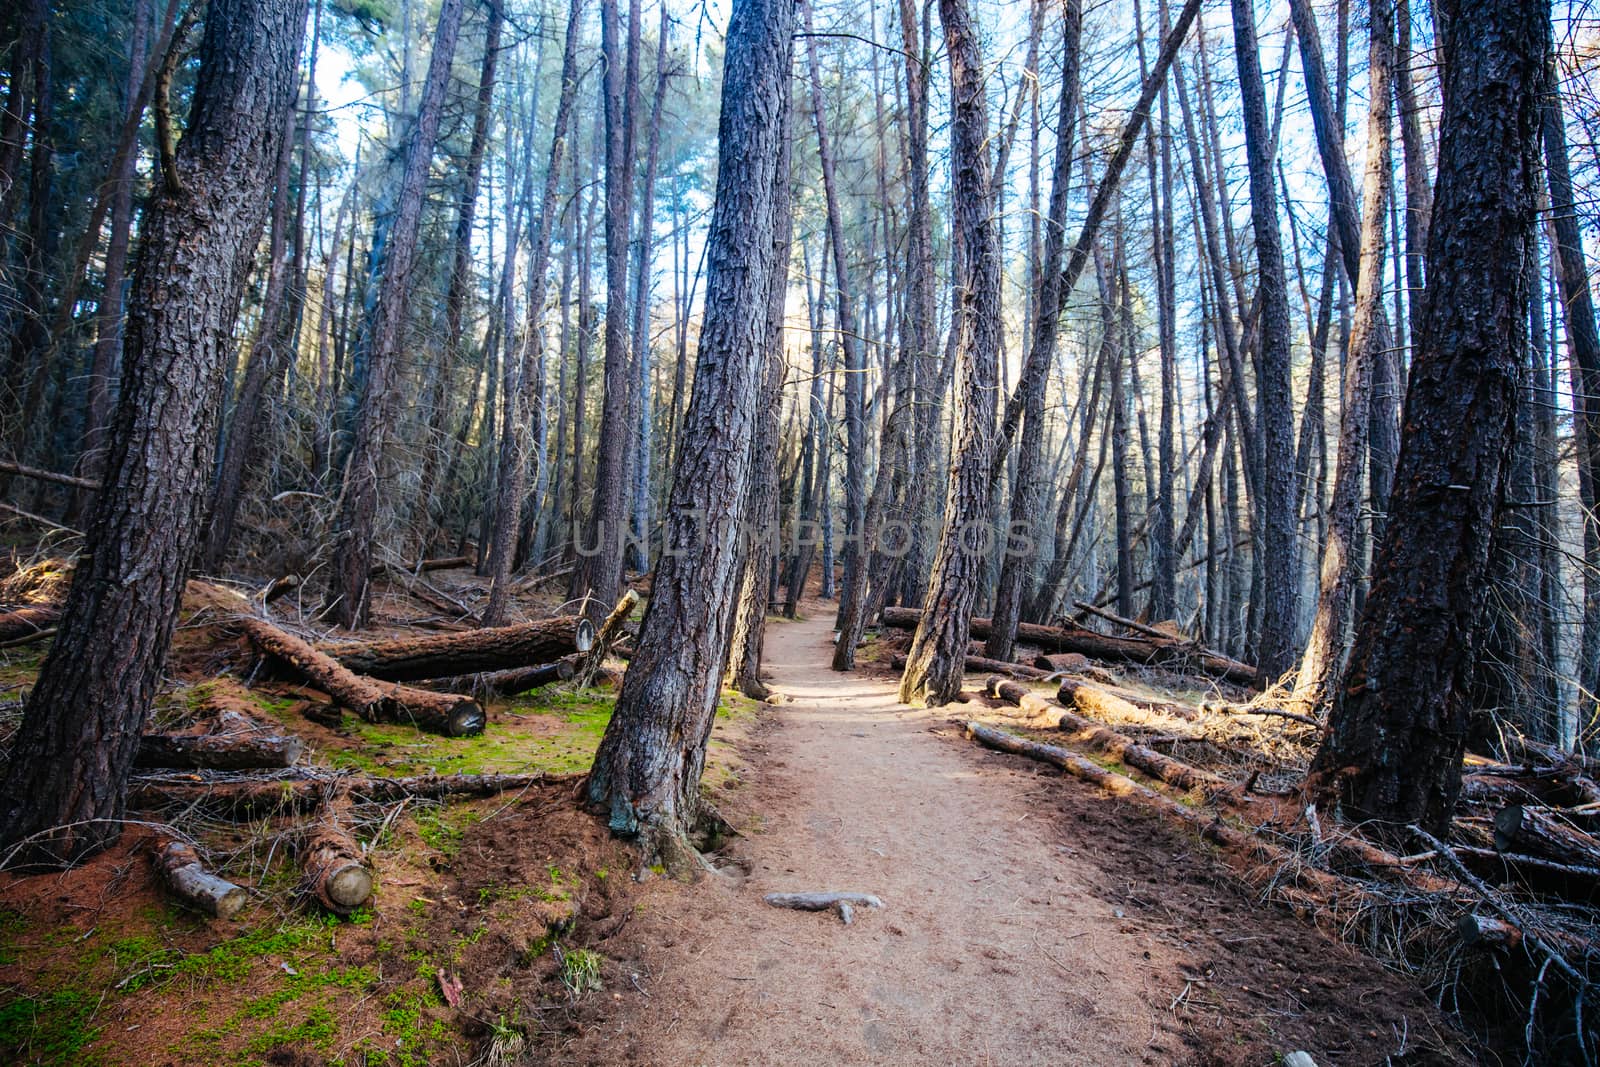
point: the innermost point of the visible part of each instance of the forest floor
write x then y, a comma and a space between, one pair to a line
1028, 918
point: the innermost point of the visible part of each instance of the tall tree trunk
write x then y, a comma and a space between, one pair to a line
1324, 655
65, 784
1397, 729
855, 388
455, 299
643, 253
355, 526
1279, 559
530, 378
1027, 500
938, 649
599, 574
761, 511
646, 773
1583, 348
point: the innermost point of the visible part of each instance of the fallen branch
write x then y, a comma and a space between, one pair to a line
610, 630
187, 879
985, 665
1168, 653
1103, 739
839, 902
21, 471
28, 623
1329, 891
252, 799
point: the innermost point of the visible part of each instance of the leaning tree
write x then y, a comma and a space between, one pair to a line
63, 790
646, 774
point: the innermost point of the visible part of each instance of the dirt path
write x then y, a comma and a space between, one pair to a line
1005, 938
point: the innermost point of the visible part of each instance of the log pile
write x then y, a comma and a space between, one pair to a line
374, 701
1166, 651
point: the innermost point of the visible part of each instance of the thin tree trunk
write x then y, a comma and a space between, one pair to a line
1583, 348
1279, 559
1324, 654
938, 650
530, 378
1027, 500
599, 574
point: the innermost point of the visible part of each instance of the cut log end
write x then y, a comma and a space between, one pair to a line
347, 888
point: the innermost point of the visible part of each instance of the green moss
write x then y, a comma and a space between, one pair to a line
12, 923
55, 1028
442, 827
318, 1029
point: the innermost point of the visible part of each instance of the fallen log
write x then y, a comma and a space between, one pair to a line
1274, 864
333, 868
30, 621
233, 750
1543, 832
409, 659
1168, 653
1112, 703
186, 878
510, 683
1061, 662
445, 713
254, 799
1103, 739
1487, 932
985, 665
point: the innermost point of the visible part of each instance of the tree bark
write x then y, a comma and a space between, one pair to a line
71, 758
646, 773
1397, 728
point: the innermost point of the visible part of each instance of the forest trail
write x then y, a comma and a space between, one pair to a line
990, 948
